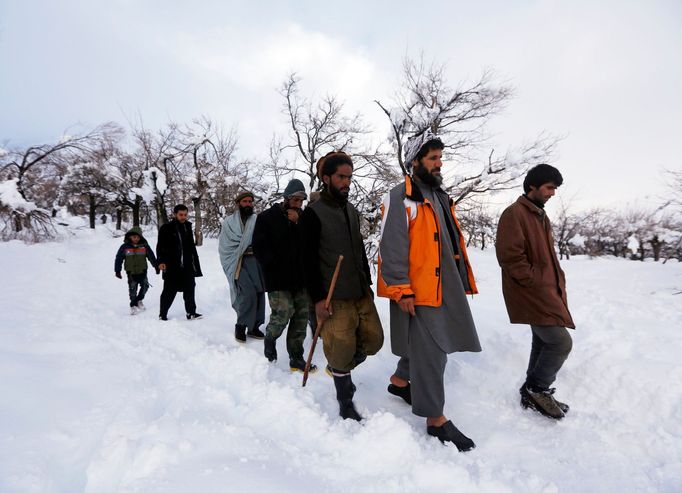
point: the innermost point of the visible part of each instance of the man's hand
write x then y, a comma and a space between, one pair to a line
162, 267
407, 305
321, 312
118, 274
292, 214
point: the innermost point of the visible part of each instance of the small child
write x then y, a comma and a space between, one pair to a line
134, 252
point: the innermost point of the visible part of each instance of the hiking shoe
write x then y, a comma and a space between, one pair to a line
542, 402
562, 405
240, 333
524, 396
405, 393
255, 333
448, 432
194, 316
163, 317
270, 349
134, 310
298, 364
140, 305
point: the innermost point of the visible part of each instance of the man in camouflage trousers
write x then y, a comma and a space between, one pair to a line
277, 246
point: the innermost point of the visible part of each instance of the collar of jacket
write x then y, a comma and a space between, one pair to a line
526, 202
326, 196
413, 192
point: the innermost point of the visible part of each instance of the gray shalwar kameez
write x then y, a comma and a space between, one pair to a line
435, 332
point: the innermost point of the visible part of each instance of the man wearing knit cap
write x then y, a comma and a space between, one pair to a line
278, 247
351, 328
425, 271
242, 269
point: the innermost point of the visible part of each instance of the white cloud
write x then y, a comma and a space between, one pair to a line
258, 61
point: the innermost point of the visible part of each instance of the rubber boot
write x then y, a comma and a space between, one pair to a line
344, 394
270, 348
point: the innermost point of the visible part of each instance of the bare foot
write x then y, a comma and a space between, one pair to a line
398, 382
437, 421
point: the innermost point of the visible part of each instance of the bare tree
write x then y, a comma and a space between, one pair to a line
315, 129
30, 169
425, 101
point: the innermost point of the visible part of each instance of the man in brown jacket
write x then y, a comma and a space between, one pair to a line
534, 287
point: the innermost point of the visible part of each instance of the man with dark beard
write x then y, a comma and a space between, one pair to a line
242, 269
351, 328
424, 270
278, 247
177, 257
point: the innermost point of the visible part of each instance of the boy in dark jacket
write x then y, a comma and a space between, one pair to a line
133, 256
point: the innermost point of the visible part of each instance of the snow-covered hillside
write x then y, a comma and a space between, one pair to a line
95, 400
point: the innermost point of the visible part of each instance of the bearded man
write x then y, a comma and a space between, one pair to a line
247, 290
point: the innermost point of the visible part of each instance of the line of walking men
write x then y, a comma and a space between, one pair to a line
290, 253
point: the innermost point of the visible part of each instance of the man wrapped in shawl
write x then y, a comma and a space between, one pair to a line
244, 276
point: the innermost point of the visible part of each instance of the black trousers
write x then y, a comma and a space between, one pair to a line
550, 348
170, 289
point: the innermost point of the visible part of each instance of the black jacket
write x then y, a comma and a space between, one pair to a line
177, 250
278, 247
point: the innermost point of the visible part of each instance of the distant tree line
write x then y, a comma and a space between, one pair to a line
135, 175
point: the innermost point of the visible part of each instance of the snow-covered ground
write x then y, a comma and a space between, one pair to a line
94, 400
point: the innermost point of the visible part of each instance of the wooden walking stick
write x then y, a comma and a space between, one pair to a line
318, 329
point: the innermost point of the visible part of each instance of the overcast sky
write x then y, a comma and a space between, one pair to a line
606, 75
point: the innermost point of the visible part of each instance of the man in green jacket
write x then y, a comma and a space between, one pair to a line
331, 227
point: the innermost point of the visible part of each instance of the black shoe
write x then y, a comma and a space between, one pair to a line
405, 393
449, 433
344, 394
194, 316
270, 349
524, 397
240, 333
163, 317
298, 364
255, 333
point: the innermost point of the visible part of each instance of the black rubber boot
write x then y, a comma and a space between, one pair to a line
344, 394
449, 433
240, 333
405, 393
255, 333
270, 349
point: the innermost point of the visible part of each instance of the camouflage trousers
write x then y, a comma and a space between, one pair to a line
289, 308
136, 281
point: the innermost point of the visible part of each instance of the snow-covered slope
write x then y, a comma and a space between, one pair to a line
95, 400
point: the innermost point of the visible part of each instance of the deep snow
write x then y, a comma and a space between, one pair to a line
95, 400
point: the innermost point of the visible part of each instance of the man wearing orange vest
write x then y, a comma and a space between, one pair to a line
425, 271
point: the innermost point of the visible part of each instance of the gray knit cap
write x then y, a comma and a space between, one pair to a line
414, 145
295, 188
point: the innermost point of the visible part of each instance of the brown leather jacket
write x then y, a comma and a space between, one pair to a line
533, 284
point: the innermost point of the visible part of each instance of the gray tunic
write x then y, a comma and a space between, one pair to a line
450, 325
